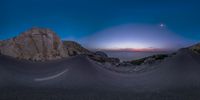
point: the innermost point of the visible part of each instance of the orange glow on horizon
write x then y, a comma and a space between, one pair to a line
135, 49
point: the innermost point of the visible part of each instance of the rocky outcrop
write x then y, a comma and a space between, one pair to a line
73, 48
1, 44
149, 60
100, 53
37, 44
104, 59
195, 48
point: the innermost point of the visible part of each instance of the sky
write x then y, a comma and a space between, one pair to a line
107, 24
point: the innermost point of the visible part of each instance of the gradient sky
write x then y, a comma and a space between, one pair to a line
107, 23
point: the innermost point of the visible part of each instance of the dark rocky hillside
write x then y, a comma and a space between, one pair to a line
73, 48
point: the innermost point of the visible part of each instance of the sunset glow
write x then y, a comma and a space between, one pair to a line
135, 38
136, 49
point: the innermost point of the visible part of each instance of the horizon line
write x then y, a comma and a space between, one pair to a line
135, 49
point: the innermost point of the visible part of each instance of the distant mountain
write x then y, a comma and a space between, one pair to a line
39, 44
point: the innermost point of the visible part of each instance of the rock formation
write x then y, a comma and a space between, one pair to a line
195, 48
37, 44
100, 53
149, 60
73, 48
103, 58
40, 44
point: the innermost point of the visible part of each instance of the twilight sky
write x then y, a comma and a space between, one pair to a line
107, 24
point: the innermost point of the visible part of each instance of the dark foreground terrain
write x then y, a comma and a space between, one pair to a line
82, 94
78, 78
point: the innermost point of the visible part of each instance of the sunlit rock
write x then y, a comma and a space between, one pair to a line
37, 44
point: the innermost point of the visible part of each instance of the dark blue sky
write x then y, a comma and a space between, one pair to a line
82, 19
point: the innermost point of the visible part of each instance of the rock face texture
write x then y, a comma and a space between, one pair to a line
149, 60
73, 48
195, 48
100, 53
36, 44
103, 58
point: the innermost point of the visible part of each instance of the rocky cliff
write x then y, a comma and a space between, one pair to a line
39, 44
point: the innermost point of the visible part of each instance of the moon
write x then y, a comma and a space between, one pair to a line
162, 25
